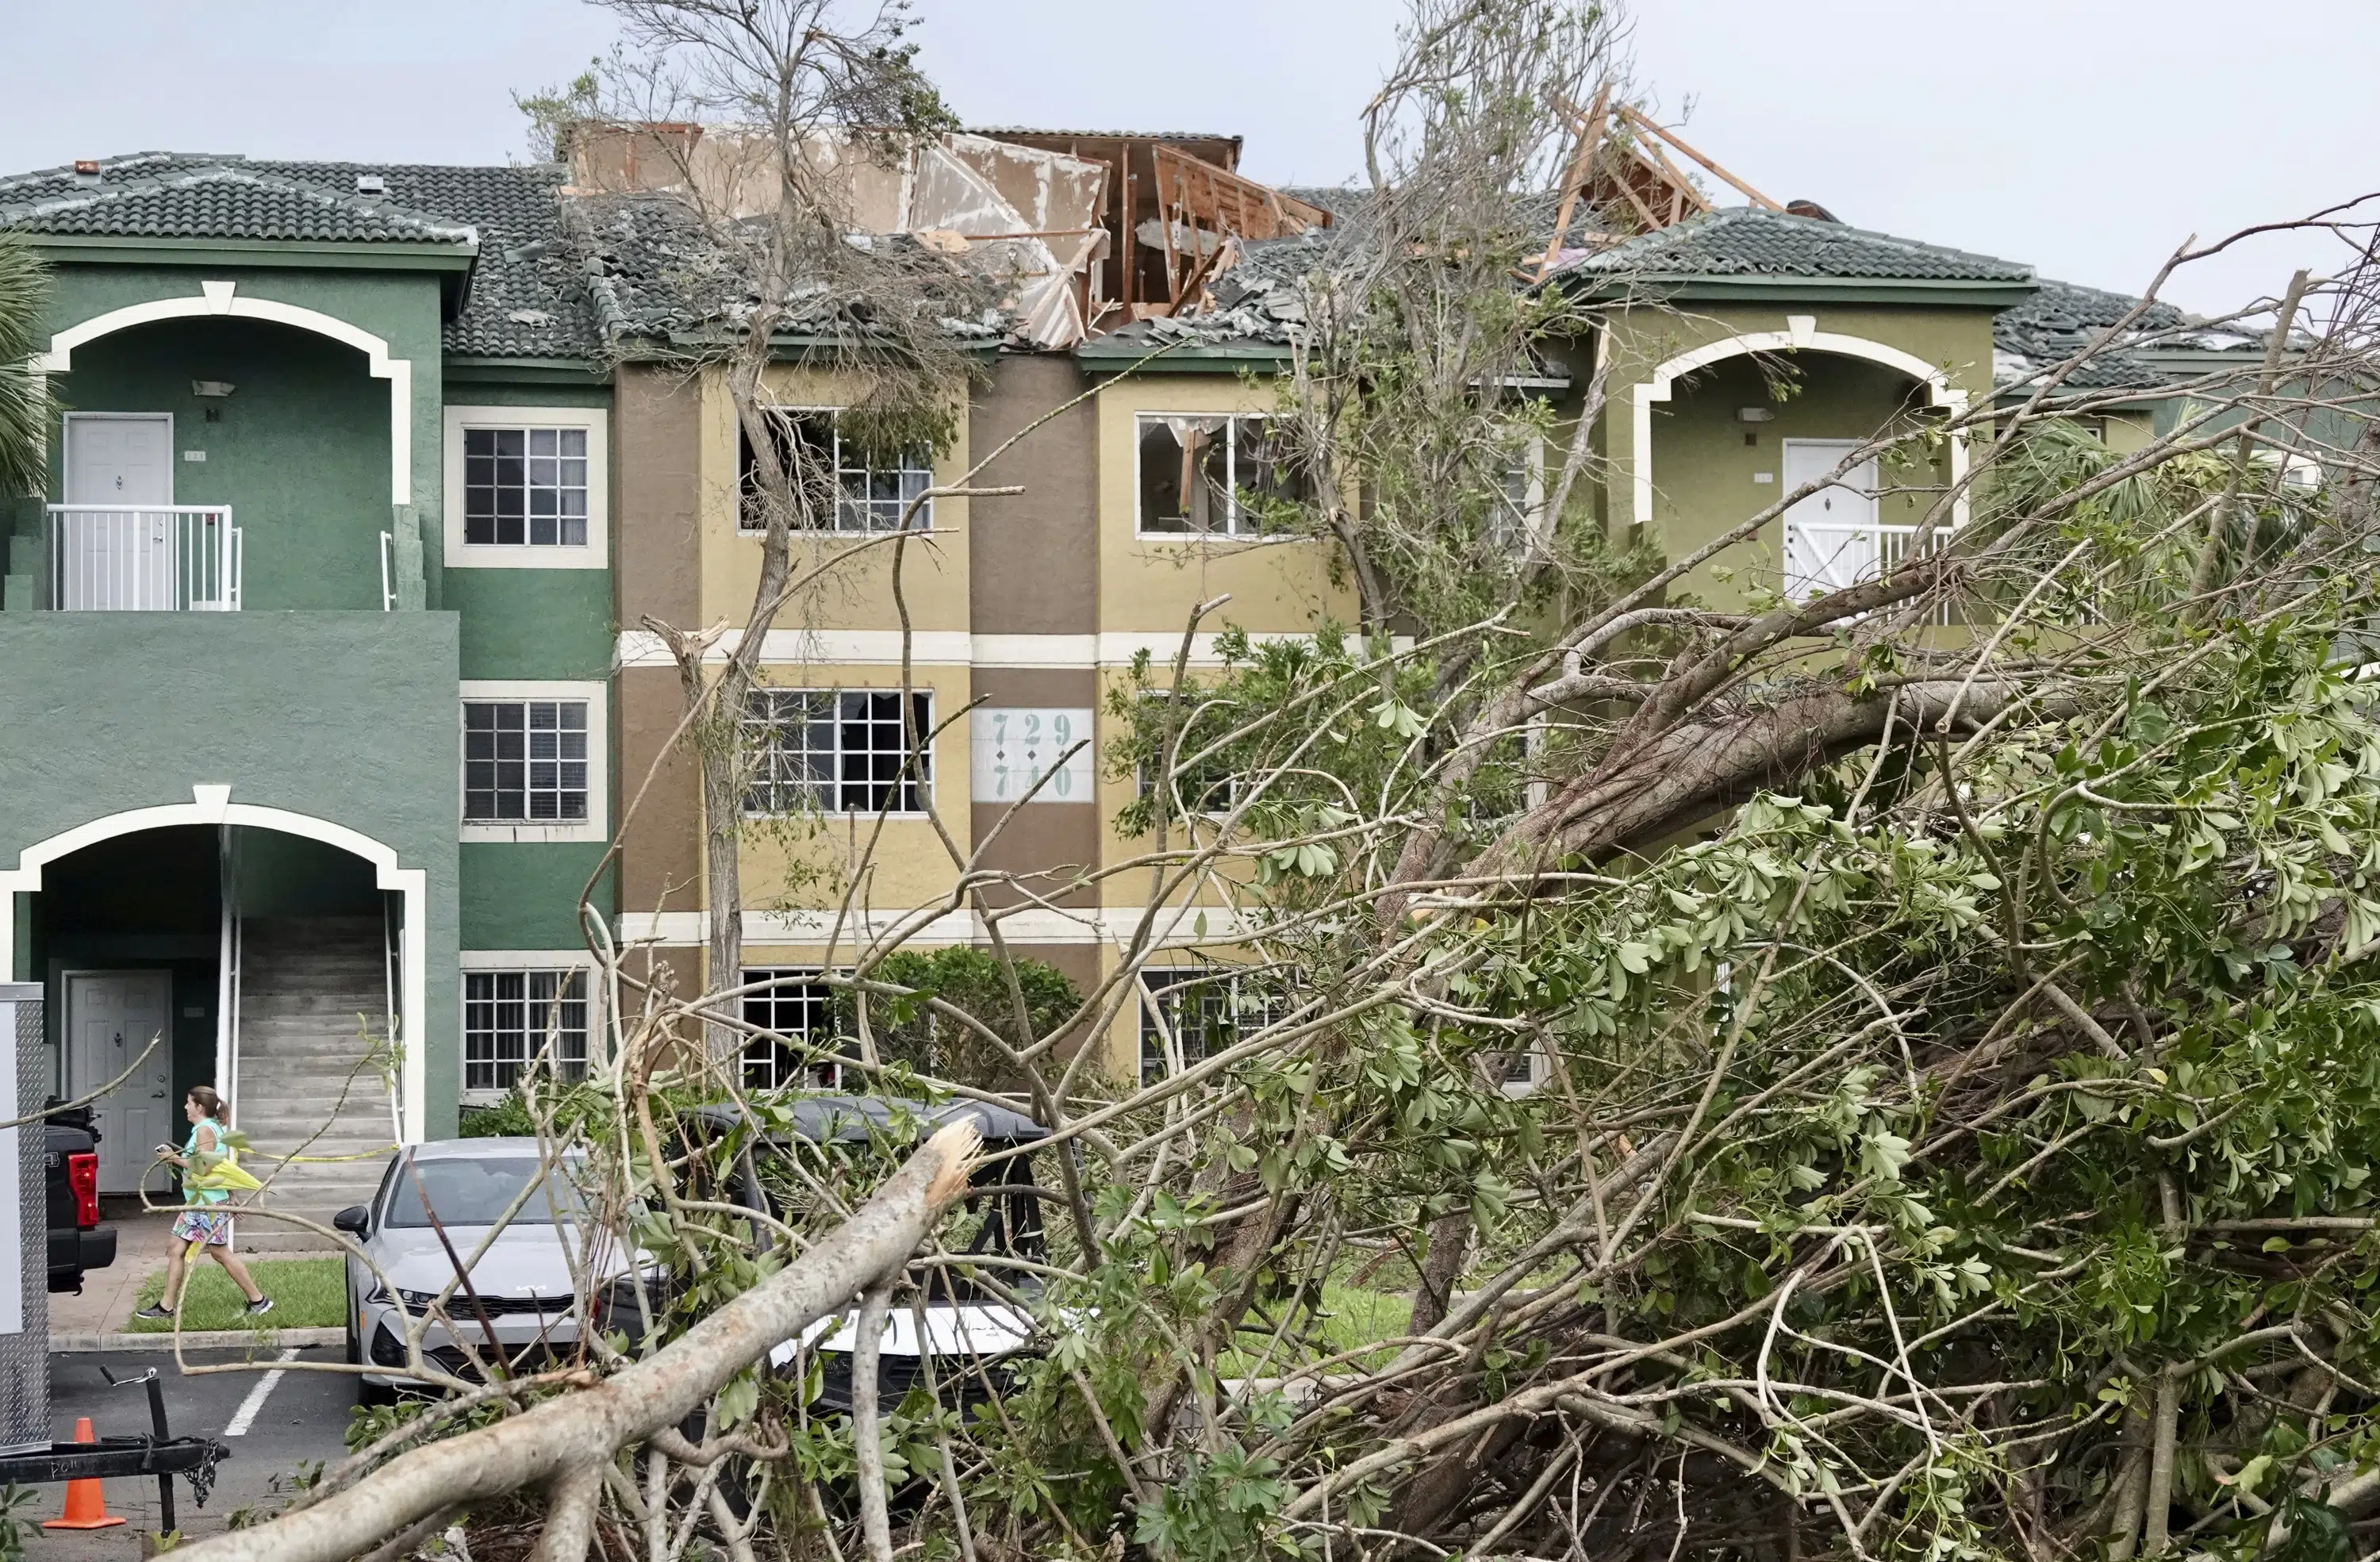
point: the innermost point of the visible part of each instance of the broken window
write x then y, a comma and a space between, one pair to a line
1208, 474
838, 487
838, 751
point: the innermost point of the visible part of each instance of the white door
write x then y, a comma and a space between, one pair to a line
1831, 537
109, 559
111, 1015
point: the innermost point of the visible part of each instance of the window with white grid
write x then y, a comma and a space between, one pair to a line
525, 488
524, 760
837, 751
1203, 1008
797, 1007
512, 1019
866, 496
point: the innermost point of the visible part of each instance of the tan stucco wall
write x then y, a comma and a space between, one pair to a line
856, 594
2127, 432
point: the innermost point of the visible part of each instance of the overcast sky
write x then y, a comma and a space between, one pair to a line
2085, 137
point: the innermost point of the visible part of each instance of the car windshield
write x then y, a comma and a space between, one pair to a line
476, 1192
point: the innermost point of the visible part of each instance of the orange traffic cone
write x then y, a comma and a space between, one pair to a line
86, 1504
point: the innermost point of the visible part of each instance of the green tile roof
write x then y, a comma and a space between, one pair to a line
220, 201
1749, 243
527, 294
2146, 347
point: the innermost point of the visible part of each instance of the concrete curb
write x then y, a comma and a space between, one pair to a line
198, 1339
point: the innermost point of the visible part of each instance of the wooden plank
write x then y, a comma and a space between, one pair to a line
1590, 132
1683, 193
1231, 203
1645, 124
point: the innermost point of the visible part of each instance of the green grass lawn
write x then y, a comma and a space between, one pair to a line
1351, 1318
306, 1294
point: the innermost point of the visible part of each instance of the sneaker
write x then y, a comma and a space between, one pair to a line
259, 1307
154, 1311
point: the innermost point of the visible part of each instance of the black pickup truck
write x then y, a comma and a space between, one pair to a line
77, 1242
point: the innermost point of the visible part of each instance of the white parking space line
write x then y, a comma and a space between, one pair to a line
244, 1417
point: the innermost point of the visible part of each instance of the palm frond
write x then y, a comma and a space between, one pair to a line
27, 410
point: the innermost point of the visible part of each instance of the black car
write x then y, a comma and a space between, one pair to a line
77, 1242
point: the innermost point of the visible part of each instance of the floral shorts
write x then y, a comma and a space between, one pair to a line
214, 1230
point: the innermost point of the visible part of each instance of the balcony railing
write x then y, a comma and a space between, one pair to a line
1828, 556
144, 558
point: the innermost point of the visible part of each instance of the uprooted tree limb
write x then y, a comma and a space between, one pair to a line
567, 1444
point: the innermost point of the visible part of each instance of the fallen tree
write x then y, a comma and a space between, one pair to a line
566, 1446
1885, 1071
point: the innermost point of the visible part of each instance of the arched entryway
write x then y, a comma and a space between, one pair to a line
317, 937
1801, 336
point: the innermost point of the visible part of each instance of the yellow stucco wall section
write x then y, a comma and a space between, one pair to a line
1148, 584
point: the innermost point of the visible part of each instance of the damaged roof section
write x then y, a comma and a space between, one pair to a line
1024, 218
1080, 230
656, 274
2158, 347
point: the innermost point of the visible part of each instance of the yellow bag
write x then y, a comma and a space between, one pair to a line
225, 1176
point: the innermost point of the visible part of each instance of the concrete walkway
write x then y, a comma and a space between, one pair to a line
143, 1243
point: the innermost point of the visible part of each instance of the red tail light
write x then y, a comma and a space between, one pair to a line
83, 1175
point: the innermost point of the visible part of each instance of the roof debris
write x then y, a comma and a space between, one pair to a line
1024, 215
1623, 180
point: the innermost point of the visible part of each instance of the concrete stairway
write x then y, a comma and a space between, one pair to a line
303, 981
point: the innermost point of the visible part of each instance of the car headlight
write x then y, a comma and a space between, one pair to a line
414, 1300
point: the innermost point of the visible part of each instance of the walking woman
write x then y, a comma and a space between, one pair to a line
208, 1228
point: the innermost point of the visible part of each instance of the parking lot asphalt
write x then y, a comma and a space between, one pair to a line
274, 1418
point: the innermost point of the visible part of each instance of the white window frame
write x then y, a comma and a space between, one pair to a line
925, 784
1146, 1033
483, 962
1231, 479
752, 974
1520, 529
596, 694
596, 553
923, 520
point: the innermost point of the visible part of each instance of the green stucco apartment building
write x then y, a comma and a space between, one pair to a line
304, 654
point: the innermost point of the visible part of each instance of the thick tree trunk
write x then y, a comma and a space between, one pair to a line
1684, 775
723, 842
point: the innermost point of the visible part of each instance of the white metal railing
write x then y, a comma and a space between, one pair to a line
1822, 556
388, 576
144, 558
